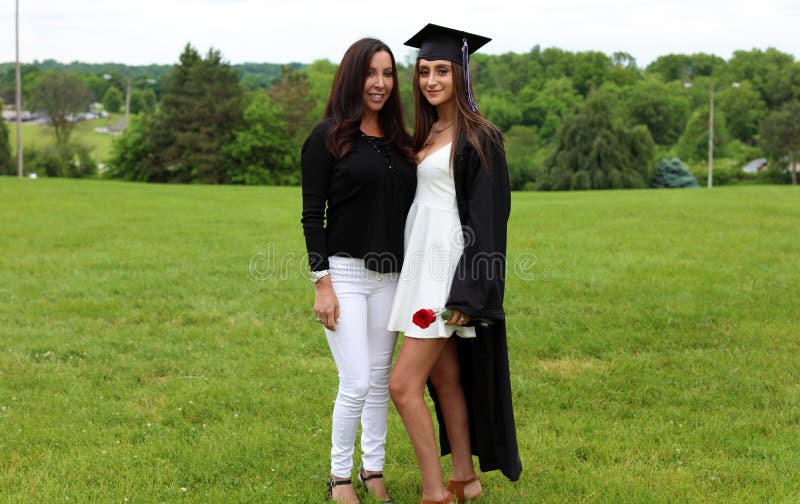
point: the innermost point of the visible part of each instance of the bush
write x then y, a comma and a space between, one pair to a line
742, 153
727, 171
6, 161
72, 161
671, 173
773, 176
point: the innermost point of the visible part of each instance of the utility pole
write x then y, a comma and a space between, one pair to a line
19, 100
127, 84
127, 100
711, 138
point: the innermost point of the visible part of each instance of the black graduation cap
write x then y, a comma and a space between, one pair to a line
441, 43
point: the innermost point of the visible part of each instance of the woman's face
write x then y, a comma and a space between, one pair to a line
380, 81
436, 81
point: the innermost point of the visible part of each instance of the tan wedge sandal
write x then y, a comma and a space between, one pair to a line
457, 487
447, 500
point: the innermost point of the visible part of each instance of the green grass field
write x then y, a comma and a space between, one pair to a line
157, 344
37, 136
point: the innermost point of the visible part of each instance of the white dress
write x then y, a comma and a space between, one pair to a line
433, 246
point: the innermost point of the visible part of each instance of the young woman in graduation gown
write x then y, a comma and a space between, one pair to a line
358, 183
455, 245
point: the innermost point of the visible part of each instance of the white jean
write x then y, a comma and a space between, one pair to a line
362, 348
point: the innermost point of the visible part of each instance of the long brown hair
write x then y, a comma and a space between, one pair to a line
479, 131
346, 102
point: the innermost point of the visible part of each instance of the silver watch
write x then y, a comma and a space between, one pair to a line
316, 276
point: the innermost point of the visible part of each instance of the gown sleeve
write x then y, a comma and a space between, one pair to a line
479, 282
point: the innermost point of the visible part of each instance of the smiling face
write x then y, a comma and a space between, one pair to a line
436, 81
380, 81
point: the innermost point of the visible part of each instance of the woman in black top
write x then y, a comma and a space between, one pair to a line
358, 183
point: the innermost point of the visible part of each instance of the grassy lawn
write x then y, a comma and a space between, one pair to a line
37, 136
157, 344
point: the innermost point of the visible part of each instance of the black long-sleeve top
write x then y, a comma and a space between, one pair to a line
355, 206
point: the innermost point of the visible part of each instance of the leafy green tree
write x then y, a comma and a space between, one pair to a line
8, 82
505, 73
261, 151
293, 95
521, 152
182, 142
201, 107
693, 144
405, 76
670, 67
7, 85
96, 84
254, 76
596, 150
29, 81
662, 107
500, 109
744, 110
557, 63
137, 154
143, 100
60, 95
320, 78
113, 100
773, 74
684, 67
547, 107
591, 70
6, 161
623, 71
780, 135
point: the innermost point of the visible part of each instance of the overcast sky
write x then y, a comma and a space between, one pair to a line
282, 31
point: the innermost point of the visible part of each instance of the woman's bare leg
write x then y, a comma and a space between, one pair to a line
407, 388
446, 378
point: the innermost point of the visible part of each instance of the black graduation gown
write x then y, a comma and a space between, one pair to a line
484, 204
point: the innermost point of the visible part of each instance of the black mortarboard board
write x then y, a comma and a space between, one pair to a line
441, 43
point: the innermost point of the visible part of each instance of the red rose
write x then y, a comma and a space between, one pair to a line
424, 317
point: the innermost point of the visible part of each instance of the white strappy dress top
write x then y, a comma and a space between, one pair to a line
433, 246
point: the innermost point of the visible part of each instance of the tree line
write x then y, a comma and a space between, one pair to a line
582, 120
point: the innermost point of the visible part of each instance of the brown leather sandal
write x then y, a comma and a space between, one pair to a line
457, 487
450, 498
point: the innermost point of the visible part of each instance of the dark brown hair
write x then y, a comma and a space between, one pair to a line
346, 102
479, 132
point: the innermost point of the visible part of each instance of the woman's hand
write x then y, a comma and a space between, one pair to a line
458, 318
326, 305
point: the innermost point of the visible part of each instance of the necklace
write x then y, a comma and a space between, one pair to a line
433, 131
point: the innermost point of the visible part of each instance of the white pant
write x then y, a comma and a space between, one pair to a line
362, 348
